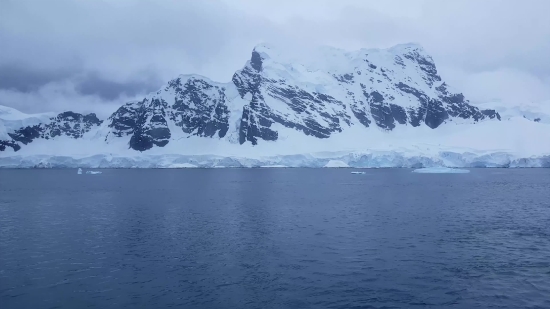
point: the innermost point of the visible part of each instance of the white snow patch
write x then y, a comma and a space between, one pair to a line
12, 119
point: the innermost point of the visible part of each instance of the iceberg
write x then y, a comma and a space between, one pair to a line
79, 171
440, 170
93, 172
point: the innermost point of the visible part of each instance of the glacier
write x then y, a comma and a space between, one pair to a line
385, 159
440, 170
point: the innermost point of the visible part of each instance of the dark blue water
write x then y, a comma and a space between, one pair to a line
274, 238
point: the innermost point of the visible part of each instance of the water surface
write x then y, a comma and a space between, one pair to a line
274, 238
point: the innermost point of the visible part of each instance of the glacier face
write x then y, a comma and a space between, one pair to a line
389, 105
382, 159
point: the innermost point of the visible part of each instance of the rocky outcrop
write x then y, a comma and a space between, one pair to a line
70, 124
192, 105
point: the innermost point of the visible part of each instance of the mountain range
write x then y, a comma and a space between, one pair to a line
286, 103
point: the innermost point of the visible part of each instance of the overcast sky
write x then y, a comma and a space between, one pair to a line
95, 54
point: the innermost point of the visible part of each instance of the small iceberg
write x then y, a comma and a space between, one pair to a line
358, 173
79, 171
440, 170
93, 172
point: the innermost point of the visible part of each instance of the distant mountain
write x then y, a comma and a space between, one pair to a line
277, 95
17, 129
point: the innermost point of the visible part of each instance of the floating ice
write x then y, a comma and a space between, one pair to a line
358, 173
440, 170
79, 171
93, 172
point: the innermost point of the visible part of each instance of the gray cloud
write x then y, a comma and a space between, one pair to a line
24, 79
61, 52
93, 84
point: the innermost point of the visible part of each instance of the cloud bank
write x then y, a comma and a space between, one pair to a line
94, 55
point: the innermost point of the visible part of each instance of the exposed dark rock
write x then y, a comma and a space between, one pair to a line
12, 144
426, 64
398, 113
306, 108
70, 124
201, 108
435, 114
398, 60
123, 121
346, 78
256, 61
27, 134
254, 126
198, 108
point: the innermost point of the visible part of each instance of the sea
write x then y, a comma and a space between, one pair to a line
274, 238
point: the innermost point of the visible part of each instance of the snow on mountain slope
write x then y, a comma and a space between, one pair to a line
12, 119
21, 129
331, 90
11, 114
539, 112
288, 103
189, 105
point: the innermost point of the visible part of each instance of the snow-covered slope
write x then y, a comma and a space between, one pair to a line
329, 101
12, 119
328, 92
539, 112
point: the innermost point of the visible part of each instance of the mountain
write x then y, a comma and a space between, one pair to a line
382, 88
282, 101
42, 126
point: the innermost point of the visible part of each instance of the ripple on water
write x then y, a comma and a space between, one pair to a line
274, 239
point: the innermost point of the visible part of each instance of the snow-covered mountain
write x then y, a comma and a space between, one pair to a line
18, 129
282, 103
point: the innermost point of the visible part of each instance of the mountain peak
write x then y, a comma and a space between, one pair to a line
407, 47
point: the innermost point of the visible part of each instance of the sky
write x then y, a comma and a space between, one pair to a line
94, 55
